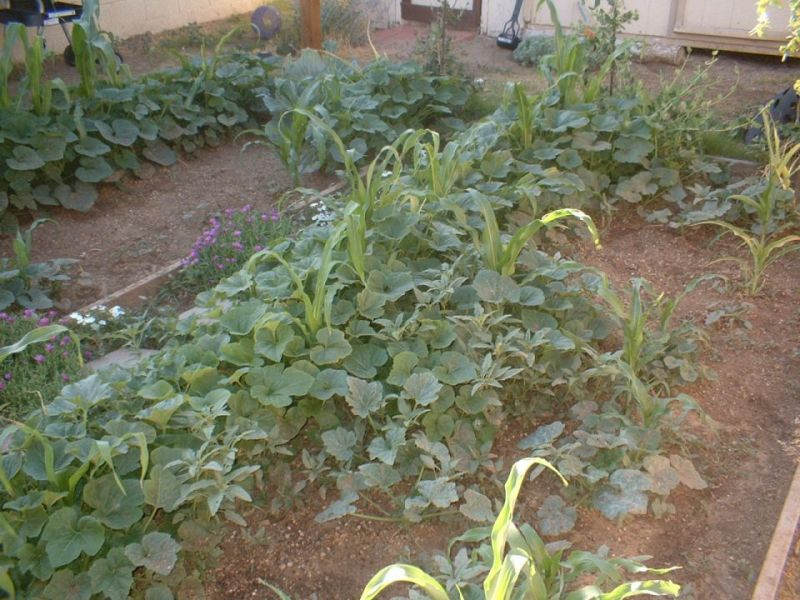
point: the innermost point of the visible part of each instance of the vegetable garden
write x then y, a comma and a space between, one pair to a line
465, 327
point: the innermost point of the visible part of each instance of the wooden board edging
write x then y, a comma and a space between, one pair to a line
769, 580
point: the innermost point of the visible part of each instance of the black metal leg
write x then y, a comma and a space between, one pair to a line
65, 30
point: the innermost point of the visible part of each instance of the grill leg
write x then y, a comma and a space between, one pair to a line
65, 29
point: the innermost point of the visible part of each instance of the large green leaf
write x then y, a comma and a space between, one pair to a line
339, 443
332, 347
114, 507
272, 338
24, 158
364, 360
329, 383
81, 197
67, 535
276, 386
157, 552
159, 153
364, 398
555, 517
112, 576
91, 147
241, 319
66, 585
121, 132
454, 368
423, 388
162, 489
93, 169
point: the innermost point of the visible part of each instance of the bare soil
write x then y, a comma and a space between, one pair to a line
718, 536
141, 225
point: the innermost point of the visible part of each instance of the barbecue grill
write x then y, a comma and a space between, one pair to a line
43, 13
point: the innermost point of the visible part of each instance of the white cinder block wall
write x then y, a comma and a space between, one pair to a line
125, 18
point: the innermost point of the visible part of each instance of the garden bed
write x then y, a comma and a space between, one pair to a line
718, 536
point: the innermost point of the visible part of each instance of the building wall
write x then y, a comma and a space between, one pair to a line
723, 24
125, 18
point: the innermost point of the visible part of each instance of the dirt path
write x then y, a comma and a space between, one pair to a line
142, 225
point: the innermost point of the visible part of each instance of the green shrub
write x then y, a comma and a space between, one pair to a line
531, 50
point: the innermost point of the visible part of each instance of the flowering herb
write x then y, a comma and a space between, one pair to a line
229, 240
36, 374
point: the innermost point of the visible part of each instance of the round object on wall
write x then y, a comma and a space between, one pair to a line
266, 21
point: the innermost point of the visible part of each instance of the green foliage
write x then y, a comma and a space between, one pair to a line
608, 20
771, 241
434, 51
518, 564
225, 246
25, 283
368, 107
36, 358
57, 143
532, 49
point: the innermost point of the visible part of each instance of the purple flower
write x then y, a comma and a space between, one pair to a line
39, 358
64, 377
64, 341
2, 385
237, 233
3, 316
247, 208
43, 321
237, 246
48, 347
7, 376
28, 313
87, 355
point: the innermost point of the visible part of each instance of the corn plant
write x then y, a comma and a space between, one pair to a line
317, 305
11, 35
524, 127
771, 242
501, 255
521, 567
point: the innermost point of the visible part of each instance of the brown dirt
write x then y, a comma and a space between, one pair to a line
141, 225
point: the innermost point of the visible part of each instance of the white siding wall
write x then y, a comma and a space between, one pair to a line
724, 20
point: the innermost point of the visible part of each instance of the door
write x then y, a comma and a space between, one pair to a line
727, 18
468, 11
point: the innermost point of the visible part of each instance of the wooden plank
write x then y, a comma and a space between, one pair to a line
310, 24
768, 584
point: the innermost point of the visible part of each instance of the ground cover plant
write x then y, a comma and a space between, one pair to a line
37, 373
369, 107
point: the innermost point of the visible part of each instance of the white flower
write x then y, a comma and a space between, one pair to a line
116, 312
82, 320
